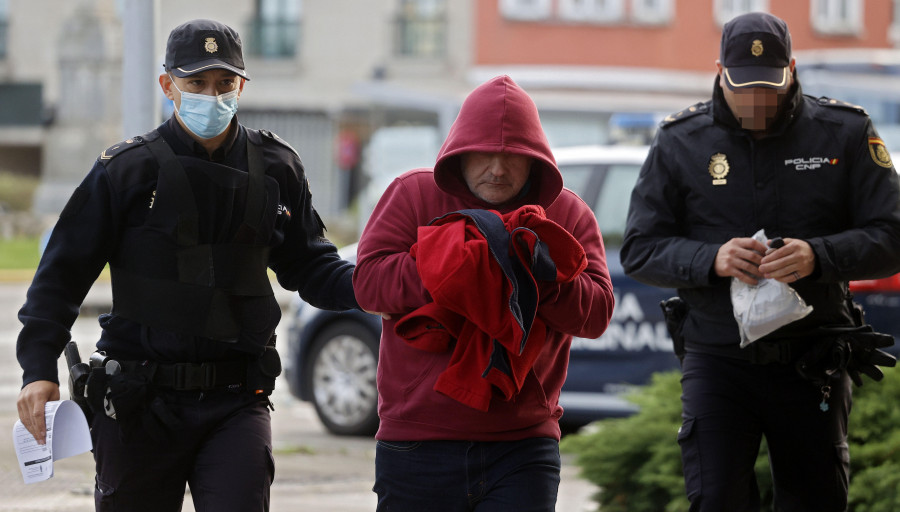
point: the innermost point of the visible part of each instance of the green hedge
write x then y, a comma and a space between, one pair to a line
17, 191
636, 461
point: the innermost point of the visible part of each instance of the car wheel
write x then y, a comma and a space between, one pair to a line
341, 372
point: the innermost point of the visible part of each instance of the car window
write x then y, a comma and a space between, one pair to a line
577, 177
611, 208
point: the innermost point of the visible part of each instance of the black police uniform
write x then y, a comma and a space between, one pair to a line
821, 175
188, 239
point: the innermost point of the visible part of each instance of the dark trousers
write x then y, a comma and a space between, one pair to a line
728, 405
222, 450
462, 476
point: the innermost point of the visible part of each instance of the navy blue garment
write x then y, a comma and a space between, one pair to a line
174, 425
470, 477
820, 175
223, 450
815, 177
103, 221
730, 404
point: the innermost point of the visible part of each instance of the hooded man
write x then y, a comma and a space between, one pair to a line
472, 420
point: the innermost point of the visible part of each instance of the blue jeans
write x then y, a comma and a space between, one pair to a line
458, 476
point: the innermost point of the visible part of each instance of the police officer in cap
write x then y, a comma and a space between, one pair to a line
813, 173
189, 217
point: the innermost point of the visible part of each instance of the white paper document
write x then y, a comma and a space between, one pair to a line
67, 434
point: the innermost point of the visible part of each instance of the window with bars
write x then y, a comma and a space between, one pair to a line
652, 12
726, 9
4, 25
894, 30
526, 9
643, 12
275, 29
836, 17
591, 10
421, 28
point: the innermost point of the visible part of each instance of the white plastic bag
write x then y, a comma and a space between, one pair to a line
768, 305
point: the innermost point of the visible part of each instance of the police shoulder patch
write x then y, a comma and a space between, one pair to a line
120, 147
693, 110
831, 102
879, 153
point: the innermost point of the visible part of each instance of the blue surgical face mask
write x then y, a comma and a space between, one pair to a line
207, 116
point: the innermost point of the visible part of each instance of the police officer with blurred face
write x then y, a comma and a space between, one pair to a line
813, 173
189, 217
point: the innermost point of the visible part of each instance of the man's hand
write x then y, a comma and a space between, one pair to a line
31, 402
386, 316
792, 262
740, 258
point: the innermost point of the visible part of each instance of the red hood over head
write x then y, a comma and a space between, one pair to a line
499, 116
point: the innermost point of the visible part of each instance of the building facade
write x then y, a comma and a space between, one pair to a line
327, 74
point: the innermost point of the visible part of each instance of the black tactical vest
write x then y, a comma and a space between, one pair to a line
168, 275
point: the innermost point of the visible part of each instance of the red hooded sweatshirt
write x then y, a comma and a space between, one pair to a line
497, 116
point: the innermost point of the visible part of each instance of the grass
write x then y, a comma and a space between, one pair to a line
20, 253
294, 449
19, 258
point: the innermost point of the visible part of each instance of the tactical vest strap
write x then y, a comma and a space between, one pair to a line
254, 209
188, 229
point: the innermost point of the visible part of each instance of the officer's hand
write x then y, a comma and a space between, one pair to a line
32, 399
790, 263
740, 258
386, 316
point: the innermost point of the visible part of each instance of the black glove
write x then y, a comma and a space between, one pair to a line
853, 349
865, 356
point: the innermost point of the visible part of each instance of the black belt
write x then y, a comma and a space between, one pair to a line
783, 351
191, 376
778, 351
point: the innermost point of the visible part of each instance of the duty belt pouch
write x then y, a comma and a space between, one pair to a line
262, 372
824, 361
95, 390
126, 392
675, 311
128, 398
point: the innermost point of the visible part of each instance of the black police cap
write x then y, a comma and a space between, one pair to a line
198, 45
756, 51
